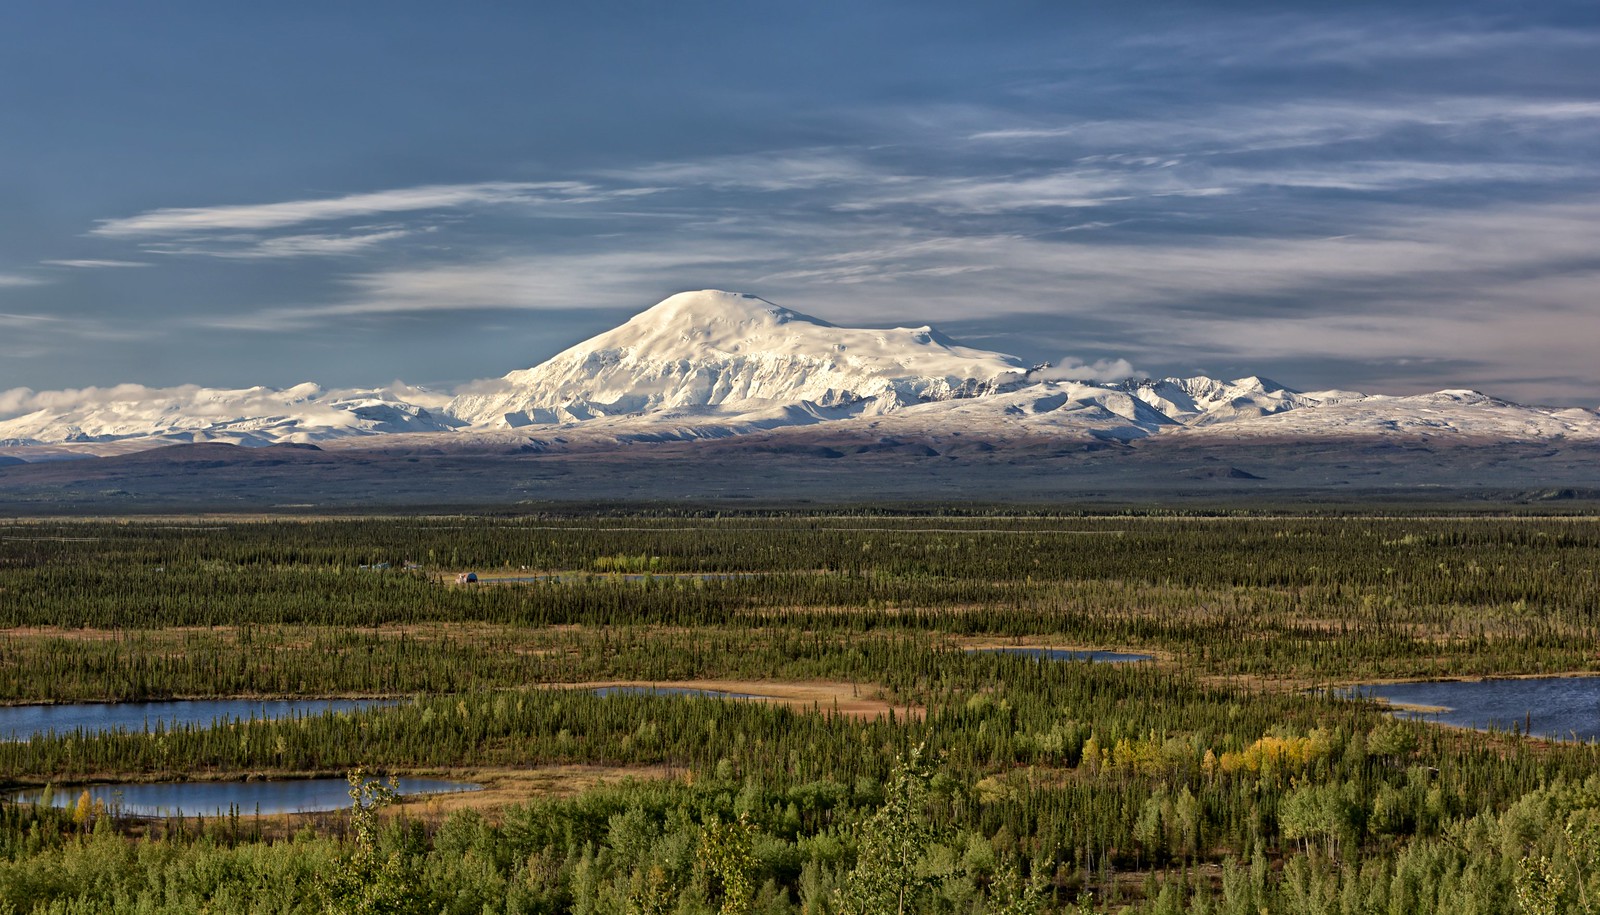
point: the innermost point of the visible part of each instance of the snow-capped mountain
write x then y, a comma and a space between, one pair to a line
713, 364
1442, 414
742, 354
304, 413
1202, 401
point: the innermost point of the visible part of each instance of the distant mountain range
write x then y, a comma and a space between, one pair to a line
715, 365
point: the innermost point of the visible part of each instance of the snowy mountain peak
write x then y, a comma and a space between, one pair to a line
709, 319
1201, 400
720, 351
714, 308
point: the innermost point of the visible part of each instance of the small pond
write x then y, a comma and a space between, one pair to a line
1561, 708
1063, 654
672, 691
164, 799
20, 722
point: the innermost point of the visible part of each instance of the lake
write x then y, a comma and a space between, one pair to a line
1064, 654
164, 799
20, 722
1556, 707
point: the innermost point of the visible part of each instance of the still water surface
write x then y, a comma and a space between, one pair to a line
20, 722
166, 799
1562, 708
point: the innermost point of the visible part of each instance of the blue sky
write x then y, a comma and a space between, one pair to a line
1387, 197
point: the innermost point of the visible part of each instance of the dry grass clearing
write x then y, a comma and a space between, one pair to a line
515, 786
857, 700
989, 643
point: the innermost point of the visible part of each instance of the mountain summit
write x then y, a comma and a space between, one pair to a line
738, 353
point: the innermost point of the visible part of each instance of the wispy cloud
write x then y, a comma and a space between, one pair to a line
1093, 186
94, 264
1367, 145
16, 320
185, 220
782, 170
906, 270
1489, 292
245, 247
30, 336
1407, 250
1215, 128
596, 280
1307, 39
13, 279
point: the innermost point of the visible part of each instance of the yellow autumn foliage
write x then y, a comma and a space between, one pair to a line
1272, 755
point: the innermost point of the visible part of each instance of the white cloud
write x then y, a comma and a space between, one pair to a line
186, 220
16, 320
1094, 186
1184, 155
310, 245
16, 401
875, 272
195, 401
599, 280
1314, 39
12, 279
93, 264
1209, 130
1071, 368
1065, 189
782, 170
191, 400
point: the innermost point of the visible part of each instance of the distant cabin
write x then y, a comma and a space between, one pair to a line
467, 578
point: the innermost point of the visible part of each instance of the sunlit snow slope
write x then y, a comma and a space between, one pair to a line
740, 353
304, 413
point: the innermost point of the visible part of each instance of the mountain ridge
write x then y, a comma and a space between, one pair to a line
713, 365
